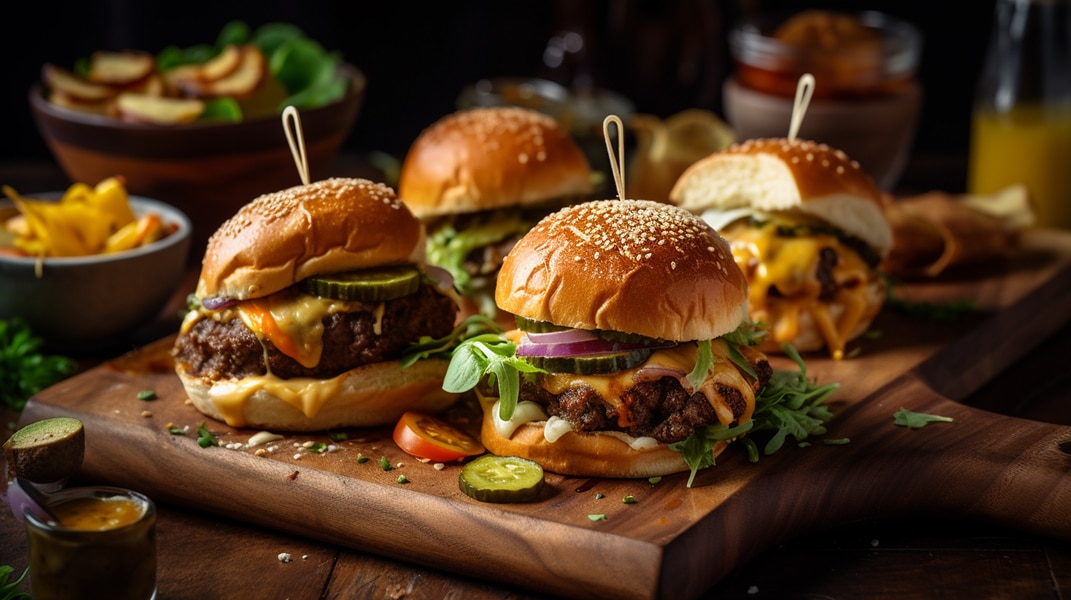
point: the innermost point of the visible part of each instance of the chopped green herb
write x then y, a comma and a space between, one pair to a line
176, 430
836, 441
205, 438
24, 369
597, 517
654, 480
384, 463
630, 499
599, 495
361, 459
403, 479
916, 420
338, 436
318, 448
147, 395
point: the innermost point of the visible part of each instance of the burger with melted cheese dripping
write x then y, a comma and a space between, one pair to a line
807, 227
632, 330
479, 179
306, 300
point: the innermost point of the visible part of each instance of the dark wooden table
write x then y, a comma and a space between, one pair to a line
202, 556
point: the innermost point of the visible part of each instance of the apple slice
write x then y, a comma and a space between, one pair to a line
64, 81
158, 110
224, 63
98, 107
120, 68
243, 80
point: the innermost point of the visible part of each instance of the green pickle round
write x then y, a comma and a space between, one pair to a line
501, 479
368, 285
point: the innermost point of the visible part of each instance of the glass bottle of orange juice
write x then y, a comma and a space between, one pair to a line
1021, 125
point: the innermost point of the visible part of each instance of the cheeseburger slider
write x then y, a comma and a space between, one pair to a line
632, 337
807, 226
479, 179
307, 298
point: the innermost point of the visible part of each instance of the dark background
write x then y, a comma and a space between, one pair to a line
663, 55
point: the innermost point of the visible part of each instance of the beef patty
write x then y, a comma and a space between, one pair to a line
228, 349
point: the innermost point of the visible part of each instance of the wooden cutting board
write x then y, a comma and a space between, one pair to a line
673, 541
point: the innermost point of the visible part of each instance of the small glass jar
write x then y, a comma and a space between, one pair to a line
104, 545
866, 99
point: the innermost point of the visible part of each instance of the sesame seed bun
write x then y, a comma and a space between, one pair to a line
488, 158
633, 266
778, 174
328, 226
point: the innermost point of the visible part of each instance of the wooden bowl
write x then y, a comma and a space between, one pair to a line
92, 299
207, 170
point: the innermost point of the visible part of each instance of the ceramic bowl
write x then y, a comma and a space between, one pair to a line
207, 170
92, 299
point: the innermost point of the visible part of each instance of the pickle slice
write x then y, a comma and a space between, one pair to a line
492, 478
533, 326
595, 364
367, 285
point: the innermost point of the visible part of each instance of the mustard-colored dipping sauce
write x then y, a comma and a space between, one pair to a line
97, 514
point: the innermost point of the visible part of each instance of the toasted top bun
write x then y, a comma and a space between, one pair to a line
324, 227
487, 158
634, 266
780, 174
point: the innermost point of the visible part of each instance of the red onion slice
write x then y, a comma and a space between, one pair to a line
217, 302
566, 336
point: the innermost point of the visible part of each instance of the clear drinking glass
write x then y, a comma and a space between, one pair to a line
1021, 124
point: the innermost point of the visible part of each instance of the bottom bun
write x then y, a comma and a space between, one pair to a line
372, 395
589, 454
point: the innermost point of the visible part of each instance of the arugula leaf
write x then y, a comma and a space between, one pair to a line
429, 347
698, 449
492, 356
9, 589
917, 420
703, 360
24, 368
790, 404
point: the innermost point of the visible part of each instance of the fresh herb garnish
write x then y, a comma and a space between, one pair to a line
703, 360
630, 499
205, 437
338, 436
361, 458
9, 590
429, 347
597, 517
318, 448
916, 420
945, 312
384, 463
24, 368
147, 395
490, 355
788, 404
176, 430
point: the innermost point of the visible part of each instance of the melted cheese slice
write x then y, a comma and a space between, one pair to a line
790, 264
291, 320
305, 394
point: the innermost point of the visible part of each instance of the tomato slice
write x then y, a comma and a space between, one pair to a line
425, 436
